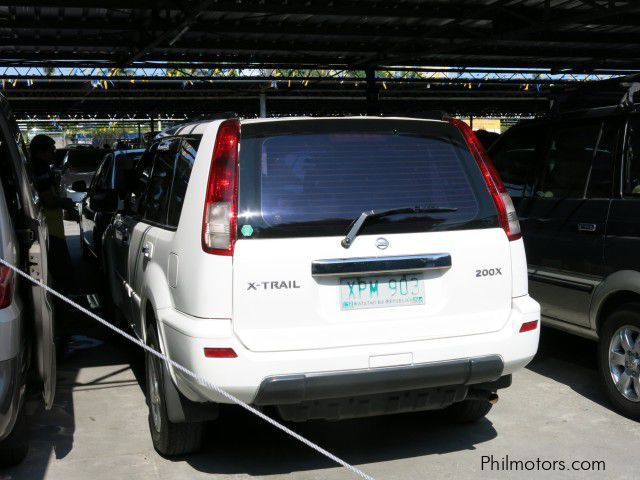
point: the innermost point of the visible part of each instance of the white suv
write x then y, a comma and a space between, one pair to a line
330, 267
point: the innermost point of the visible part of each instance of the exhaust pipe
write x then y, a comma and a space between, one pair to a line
491, 397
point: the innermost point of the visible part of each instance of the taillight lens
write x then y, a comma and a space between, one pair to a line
507, 215
528, 326
210, 352
6, 286
221, 202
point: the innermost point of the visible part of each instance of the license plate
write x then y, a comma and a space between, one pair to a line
381, 291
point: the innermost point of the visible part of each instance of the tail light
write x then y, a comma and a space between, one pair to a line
507, 215
221, 203
6, 286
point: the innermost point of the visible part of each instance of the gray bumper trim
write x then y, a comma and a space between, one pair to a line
288, 389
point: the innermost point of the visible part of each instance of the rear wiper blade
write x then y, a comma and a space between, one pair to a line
356, 226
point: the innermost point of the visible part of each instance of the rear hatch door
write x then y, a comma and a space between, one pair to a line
406, 277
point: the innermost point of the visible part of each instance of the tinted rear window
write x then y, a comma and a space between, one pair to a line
314, 177
83, 161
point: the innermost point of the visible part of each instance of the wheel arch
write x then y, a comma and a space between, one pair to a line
157, 294
617, 289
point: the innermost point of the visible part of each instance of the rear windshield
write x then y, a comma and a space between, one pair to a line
314, 177
83, 161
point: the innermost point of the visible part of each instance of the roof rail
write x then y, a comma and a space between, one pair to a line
614, 92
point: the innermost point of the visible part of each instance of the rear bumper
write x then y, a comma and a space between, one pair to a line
287, 389
259, 377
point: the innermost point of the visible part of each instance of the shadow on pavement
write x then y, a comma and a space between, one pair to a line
84, 344
238, 443
570, 360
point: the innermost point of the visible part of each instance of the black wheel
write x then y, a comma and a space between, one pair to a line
619, 359
468, 411
15, 447
169, 439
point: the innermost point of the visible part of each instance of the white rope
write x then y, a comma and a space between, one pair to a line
195, 376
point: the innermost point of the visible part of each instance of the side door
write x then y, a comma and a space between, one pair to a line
34, 244
622, 243
567, 217
153, 234
125, 236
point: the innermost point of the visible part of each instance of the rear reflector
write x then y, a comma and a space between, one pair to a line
6, 286
528, 326
220, 353
507, 215
221, 202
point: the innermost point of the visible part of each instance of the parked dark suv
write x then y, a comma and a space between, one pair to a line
575, 181
94, 211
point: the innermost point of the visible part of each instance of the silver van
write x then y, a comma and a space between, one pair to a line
26, 314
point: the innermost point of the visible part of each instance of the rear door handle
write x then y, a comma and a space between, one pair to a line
587, 227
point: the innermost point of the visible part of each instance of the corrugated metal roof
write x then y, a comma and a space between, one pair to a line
562, 34
551, 35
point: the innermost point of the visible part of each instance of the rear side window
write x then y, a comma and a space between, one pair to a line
516, 159
157, 195
314, 177
184, 165
631, 181
569, 160
603, 164
580, 160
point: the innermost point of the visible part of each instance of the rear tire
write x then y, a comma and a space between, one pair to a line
468, 411
619, 361
15, 447
169, 439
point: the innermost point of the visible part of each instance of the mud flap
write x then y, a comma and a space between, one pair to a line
182, 410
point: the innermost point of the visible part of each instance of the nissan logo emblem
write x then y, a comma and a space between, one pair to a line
382, 243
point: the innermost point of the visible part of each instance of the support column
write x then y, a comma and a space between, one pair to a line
263, 105
373, 93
